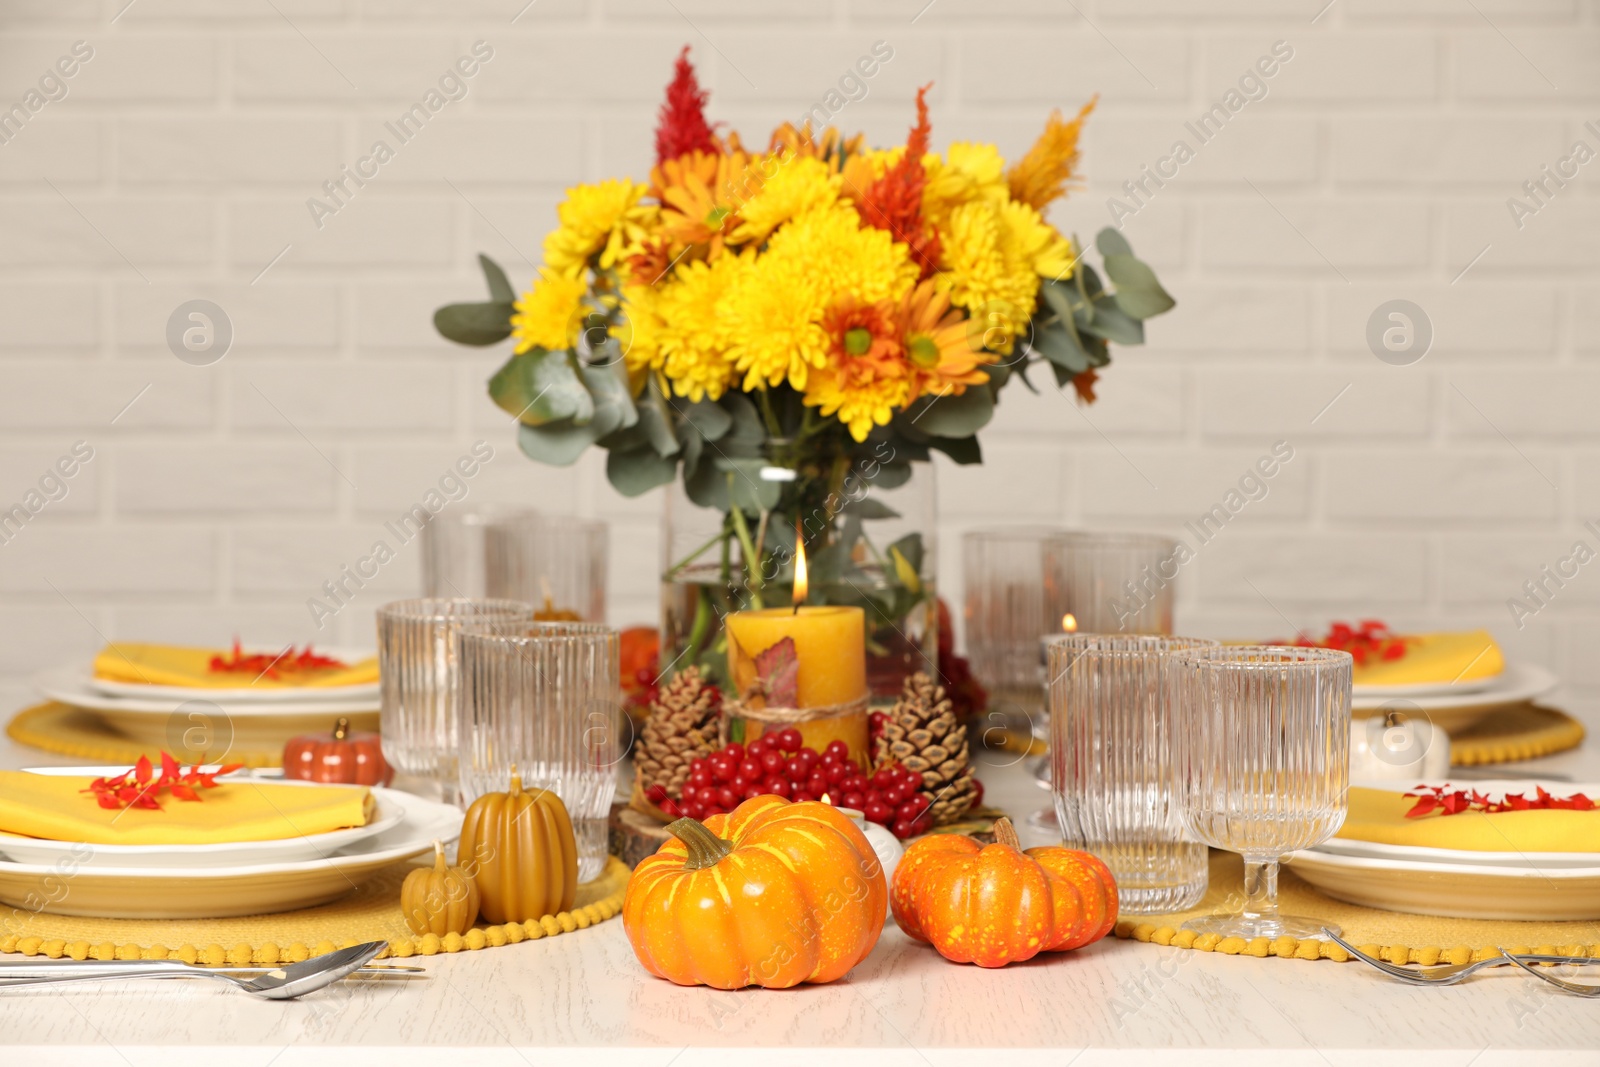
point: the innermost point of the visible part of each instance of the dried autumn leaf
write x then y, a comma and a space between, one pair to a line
778, 674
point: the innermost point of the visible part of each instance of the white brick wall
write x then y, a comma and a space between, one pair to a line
1377, 167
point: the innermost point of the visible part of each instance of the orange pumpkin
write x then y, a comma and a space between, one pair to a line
771, 894
521, 852
995, 904
344, 756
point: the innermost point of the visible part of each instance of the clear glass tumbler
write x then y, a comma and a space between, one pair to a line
548, 700
556, 563
1012, 592
1117, 583
1266, 765
419, 680
1115, 766
453, 549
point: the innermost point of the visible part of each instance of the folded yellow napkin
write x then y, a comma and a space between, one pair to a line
1441, 657
53, 807
1379, 815
126, 661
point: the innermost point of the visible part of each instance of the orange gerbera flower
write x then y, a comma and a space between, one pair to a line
935, 336
700, 195
866, 378
830, 145
1050, 165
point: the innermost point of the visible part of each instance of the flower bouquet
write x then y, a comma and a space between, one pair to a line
791, 329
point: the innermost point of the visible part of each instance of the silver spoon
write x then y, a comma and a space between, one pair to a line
282, 983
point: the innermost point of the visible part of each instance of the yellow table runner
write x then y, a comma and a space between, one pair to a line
141, 664
54, 807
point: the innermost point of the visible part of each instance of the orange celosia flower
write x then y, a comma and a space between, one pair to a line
894, 201
1083, 384
1049, 167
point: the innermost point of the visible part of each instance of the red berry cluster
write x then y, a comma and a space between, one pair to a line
781, 765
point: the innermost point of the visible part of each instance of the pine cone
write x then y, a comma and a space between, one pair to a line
682, 726
921, 732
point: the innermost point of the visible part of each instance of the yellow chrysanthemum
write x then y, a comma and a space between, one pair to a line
989, 271
549, 315
1028, 239
638, 329
794, 188
774, 310
600, 218
967, 173
693, 338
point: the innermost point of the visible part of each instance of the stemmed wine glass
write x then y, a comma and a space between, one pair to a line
1265, 765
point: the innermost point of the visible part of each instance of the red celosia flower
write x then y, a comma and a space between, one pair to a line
143, 792
683, 125
894, 201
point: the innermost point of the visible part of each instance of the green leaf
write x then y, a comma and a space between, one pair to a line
559, 444
1060, 296
1114, 324
910, 548
964, 450
1060, 346
869, 508
613, 406
538, 387
724, 484
748, 433
1139, 292
892, 475
657, 420
952, 416
1000, 373
1110, 242
708, 419
1063, 375
474, 324
639, 470
500, 290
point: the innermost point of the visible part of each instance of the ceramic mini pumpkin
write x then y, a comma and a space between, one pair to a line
520, 849
996, 904
440, 899
771, 894
345, 755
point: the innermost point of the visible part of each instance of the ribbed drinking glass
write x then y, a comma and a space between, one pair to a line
1114, 765
1116, 582
1012, 594
556, 563
453, 545
419, 680
547, 699
1266, 765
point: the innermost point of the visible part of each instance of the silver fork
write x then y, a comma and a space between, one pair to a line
1560, 983
282, 983
1448, 974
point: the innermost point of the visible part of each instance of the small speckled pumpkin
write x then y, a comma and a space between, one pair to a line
996, 904
439, 899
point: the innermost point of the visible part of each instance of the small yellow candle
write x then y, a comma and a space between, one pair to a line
830, 643
830, 646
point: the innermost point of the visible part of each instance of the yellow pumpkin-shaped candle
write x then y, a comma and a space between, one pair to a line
996, 904
440, 899
771, 894
520, 850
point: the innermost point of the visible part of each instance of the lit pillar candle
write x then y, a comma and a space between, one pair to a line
830, 647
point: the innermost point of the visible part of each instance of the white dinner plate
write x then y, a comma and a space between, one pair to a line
1460, 890
1425, 689
73, 685
244, 692
1517, 684
164, 723
229, 854
65, 888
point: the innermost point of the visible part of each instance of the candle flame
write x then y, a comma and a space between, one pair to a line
1069, 623
825, 799
800, 583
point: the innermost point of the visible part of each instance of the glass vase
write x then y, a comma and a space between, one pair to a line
867, 519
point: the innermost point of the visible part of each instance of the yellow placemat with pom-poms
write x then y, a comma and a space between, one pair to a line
1391, 935
371, 912
81, 734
